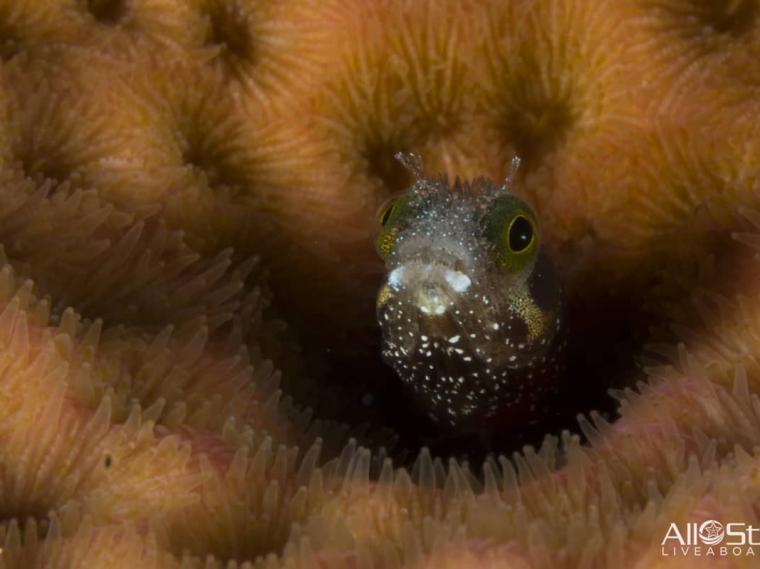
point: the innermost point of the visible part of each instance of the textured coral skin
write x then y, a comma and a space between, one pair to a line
180, 178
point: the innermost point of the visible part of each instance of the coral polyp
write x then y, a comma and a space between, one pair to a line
67, 456
539, 92
187, 198
260, 46
395, 85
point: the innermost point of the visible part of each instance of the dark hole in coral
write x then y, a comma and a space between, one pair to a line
610, 324
49, 167
707, 22
607, 334
9, 49
109, 12
231, 31
537, 128
199, 155
10, 41
731, 18
107, 461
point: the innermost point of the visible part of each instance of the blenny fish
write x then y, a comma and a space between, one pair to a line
470, 308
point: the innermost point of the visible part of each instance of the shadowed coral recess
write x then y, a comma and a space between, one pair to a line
189, 361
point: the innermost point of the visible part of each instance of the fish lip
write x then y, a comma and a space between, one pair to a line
425, 299
431, 287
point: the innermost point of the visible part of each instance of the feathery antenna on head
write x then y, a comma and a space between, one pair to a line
412, 162
514, 166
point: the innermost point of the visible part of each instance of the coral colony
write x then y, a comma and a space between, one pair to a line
191, 364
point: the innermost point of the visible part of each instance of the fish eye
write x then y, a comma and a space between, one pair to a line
520, 234
512, 229
518, 237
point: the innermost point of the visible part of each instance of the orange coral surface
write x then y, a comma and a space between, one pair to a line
188, 356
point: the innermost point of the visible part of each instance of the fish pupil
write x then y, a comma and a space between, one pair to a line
520, 234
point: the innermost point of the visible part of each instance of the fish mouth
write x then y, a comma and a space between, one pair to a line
423, 299
433, 288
